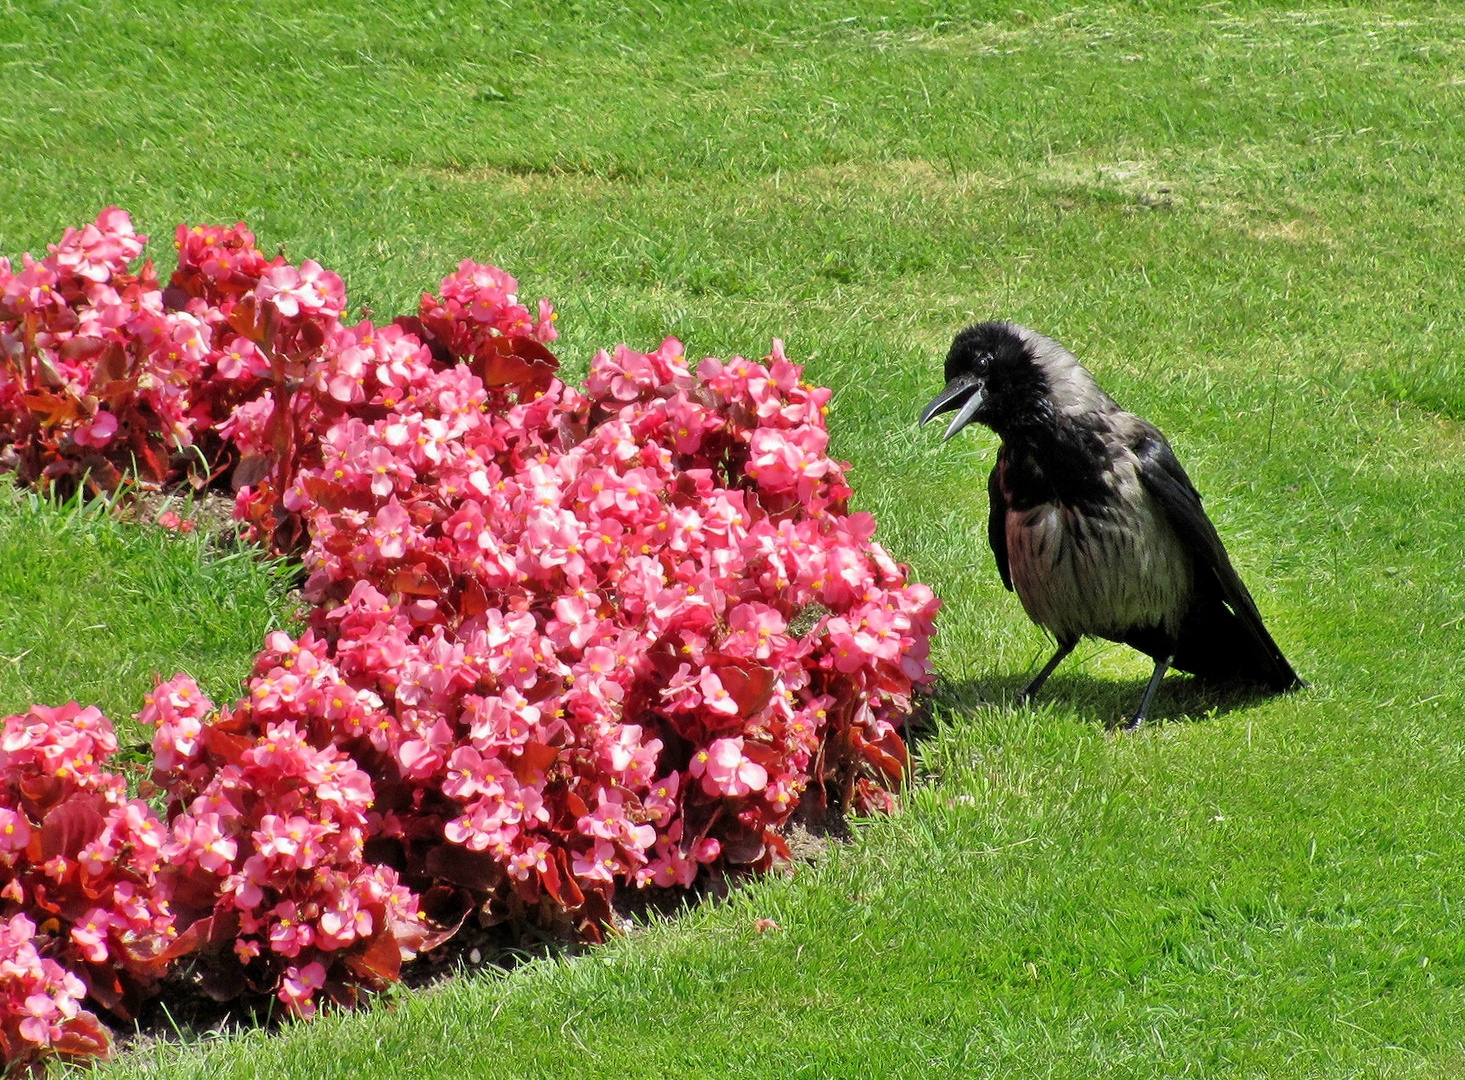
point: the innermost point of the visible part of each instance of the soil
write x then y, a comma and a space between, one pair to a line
211, 512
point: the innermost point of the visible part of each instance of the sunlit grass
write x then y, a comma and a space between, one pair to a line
92, 607
1243, 217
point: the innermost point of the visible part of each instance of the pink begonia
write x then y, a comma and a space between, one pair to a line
715, 695
725, 771
40, 1002
15, 830
80, 859
98, 432
298, 987
308, 290
597, 864
275, 835
595, 562
90, 932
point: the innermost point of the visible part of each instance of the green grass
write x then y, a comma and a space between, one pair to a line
91, 608
1243, 217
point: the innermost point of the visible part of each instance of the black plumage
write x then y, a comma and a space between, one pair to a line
1094, 523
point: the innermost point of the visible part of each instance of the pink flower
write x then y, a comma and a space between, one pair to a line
90, 933
309, 290
298, 987
97, 431
724, 770
170, 520
392, 526
241, 359
15, 830
715, 696
520, 590
202, 838
597, 864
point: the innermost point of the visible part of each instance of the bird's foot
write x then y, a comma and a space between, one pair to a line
1128, 723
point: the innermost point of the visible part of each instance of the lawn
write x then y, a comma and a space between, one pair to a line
1245, 218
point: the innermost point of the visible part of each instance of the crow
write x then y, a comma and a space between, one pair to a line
1093, 522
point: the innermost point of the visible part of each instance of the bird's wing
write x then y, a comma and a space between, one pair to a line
1165, 479
997, 523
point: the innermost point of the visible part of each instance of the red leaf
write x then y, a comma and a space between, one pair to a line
457, 865
529, 767
206, 931
117, 393
473, 600
41, 791
112, 367
575, 805
559, 882
79, 349
327, 495
244, 317
381, 960
224, 745
69, 827
252, 470
888, 754
445, 907
83, 1036
52, 408
104, 987
413, 581
154, 468
517, 362
312, 336
750, 685
48, 373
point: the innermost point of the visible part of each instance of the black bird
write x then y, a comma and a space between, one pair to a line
1094, 523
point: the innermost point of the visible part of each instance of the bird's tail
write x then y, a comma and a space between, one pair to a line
1223, 645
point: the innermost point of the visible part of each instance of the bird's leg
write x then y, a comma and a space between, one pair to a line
1064, 648
1161, 666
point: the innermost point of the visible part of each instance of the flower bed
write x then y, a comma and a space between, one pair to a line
561, 641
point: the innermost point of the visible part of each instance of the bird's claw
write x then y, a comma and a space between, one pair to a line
1129, 723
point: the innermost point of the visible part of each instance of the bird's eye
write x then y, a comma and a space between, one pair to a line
980, 365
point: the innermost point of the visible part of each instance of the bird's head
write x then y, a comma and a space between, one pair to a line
995, 372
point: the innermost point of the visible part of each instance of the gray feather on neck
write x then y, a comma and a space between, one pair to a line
1071, 389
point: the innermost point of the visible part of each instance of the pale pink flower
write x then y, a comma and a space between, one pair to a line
724, 770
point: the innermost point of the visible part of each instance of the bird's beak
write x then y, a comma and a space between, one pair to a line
965, 392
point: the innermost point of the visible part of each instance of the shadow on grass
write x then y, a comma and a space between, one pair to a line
183, 1012
1100, 701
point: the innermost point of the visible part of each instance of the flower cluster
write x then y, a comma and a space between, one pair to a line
95, 374
40, 1005
265, 861
590, 639
230, 373
562, 641
283, 367
81, 859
